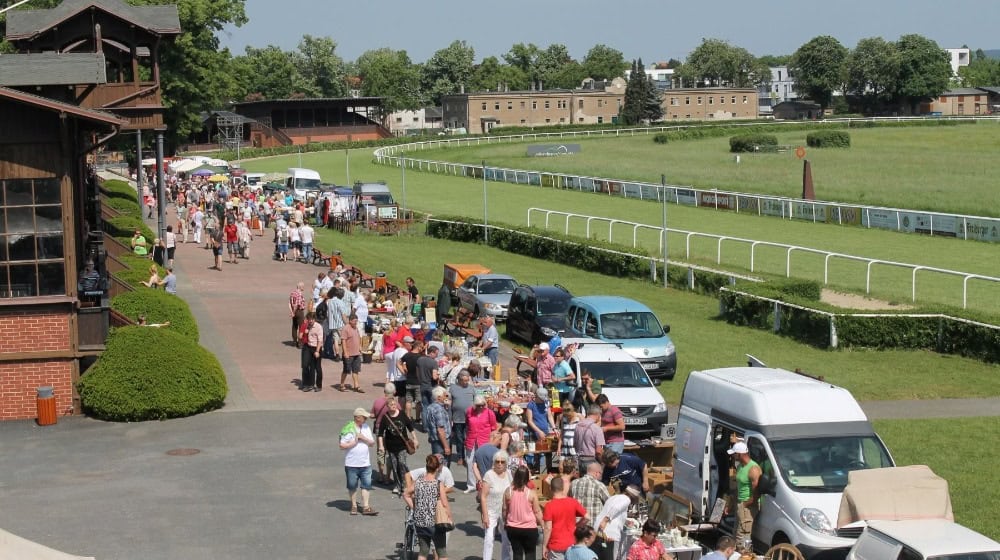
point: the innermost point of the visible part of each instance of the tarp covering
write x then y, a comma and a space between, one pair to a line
894, 493
13, 547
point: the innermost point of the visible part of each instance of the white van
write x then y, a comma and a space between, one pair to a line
922, 539
255, 181
623, 380
372, 195
807, 436
300, 181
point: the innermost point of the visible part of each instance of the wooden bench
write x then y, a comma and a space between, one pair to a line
320, 258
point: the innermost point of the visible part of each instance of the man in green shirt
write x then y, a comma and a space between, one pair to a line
747, 476
139, 244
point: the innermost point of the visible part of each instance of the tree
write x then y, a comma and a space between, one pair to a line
818, 67
924, 70
604, 63
981, 72
319, 63
652, 100
523, 57
549, 64
772, 60
447, 69
491, 74
717, 63
272, 73
567, 76
674, 64
636, 106
873, 71
390, 74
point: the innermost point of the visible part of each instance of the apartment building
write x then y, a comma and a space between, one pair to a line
959, 101
710, 103
481, 112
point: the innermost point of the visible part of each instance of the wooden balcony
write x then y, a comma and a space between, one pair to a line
140, 103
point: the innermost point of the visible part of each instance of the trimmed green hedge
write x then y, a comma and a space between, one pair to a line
829, 139
158, 307
152, 374
542, 244
123, 205
944, 332
116, 188
124, 226
751, 142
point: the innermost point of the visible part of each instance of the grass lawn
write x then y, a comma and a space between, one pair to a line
959, 450
948, 169
702, 340
440, 194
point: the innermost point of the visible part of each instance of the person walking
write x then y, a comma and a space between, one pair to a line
610, 522
356, 440
198, 221
490, 343
312, 373
522, 516
171, 243
379, 409
462, 395
424, 499
590, 491
559, 518
438, 423
232, 240
350, 340
495, 483
480, 423
297, 311
394, 431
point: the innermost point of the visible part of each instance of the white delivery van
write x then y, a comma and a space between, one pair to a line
807, 435
370, 196
623, 380
255, 181
300, 181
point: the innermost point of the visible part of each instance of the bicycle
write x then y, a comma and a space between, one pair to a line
408, 548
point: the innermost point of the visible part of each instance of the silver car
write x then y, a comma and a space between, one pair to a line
487, 294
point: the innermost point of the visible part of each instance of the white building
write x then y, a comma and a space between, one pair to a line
402, 123
658, 73
780, 89
959, 58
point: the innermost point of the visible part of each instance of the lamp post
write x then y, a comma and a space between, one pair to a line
486, 224
347, 163
663, 193
138, 173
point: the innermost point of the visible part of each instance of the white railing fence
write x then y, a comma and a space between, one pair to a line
567, 218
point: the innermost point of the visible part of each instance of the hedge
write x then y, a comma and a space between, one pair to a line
151, 373
158, 307
123, 205
542, 244
123, 227
937, 328
751, 142
116, 188
829, 139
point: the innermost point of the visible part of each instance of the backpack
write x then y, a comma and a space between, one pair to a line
283, 234
322, 312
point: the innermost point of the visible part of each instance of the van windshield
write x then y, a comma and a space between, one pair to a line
553, 306
617, 374
377, 198
822, 464
307, 184
630, 324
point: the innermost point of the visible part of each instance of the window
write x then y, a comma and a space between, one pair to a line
961, 109
496, 105
562, 119
600, 120
546, 103
961, 99
699, 100
522, 104
579, 119
734, 100
711, 100
944, 99
31, 245
534, 104
510, 105
673, 101
722, 100
523, 121
600, 103
580, 104
687, 100
548, 120
484, 105
416, 119
744, 100
398, 119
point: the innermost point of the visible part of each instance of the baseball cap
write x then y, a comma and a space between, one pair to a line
407, 339
738, 447
361, 412
544, 346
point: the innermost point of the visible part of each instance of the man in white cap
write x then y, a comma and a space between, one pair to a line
544, 362
747, 476
356, 439
610, 522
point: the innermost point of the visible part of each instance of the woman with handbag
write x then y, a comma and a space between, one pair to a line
431, 513
394, 433
522, 516
491, 492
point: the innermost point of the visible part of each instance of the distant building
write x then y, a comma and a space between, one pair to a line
661, 76
797, 110
781, 88
411, 122
481, 112
959, 58
959, 101
710, 103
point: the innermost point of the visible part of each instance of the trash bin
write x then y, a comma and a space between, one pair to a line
46, 403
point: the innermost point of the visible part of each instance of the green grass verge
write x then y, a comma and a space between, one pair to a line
968, 463
440, 194
703, 341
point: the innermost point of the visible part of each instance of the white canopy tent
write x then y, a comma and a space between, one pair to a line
13, 547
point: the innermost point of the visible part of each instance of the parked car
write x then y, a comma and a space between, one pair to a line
487, 294
533, 309
626, 322
623, 380
922, 539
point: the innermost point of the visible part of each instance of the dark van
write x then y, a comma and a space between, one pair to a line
534, 308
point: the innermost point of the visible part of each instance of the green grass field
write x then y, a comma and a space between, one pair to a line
441, 194
948, 169
959, 450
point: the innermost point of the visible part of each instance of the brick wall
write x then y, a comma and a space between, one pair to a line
34, 331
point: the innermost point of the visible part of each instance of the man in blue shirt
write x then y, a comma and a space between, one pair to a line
626, 468
170, 281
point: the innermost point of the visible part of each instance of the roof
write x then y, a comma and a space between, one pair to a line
205, 117
995, 90
541, 92
936, 537
92, 115
160, 19
962, 91
355, 100
611, 304
549, 290
48, 69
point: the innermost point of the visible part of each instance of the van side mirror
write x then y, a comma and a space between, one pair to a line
666, 329
657, 382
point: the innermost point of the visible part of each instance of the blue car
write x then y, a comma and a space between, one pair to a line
628, 323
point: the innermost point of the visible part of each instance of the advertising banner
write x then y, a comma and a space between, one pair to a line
937, 225
847, 215
650, 192
715, 200
686, 197
748, 204
877, 218
809, 211
980, 229
774, 207
632, 190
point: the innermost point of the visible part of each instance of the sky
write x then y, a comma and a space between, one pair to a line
654, 30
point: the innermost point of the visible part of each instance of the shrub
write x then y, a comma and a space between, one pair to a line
661, 138
751, 142
116, 188
158, 307
829, 139
152, 374
124, 205
124, 226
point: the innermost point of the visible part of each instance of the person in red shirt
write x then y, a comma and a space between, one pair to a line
560, 521
613, 425
232, 240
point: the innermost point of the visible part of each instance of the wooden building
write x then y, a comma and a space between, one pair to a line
283, 122
82, 72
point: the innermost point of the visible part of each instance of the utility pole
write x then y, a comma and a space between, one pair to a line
402, 166
663, 193
486, 225
138, 173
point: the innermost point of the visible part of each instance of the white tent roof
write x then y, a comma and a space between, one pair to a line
185, 165
13, 547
